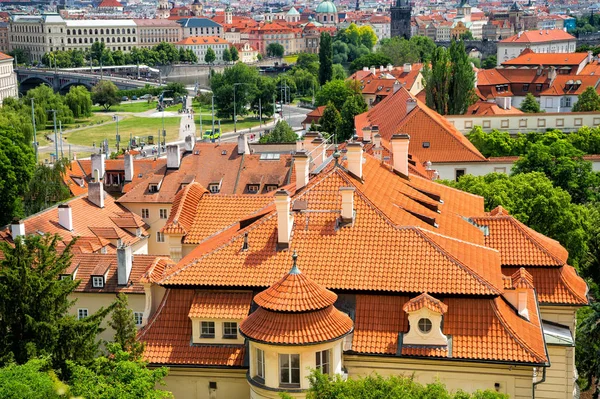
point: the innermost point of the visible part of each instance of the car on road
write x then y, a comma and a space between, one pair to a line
125, 98
212, 136
278, 107
134, 98
146, 97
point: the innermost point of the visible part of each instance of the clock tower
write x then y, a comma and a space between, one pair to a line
401, 19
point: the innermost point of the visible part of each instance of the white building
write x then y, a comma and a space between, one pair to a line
8, 78
200, 45
540, 41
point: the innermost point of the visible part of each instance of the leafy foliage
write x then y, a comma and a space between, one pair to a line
235, 55
226, 55
338, 72
462, 78
353, 106
106, 94
370, 60
46, 187
325, 58
353, 42
282, 133
34, 305
123, 322
489, 62
45, 100
32, 380
331, 120
336, 92
402, 51
210, 56
436, 81
587, 347
530, 105
588, 101
275, 50
222, 85
79, 101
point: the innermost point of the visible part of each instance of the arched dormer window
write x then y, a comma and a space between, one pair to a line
425, 319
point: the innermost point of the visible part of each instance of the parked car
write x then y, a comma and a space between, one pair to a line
134, 98
146, 97
125, 98
212, 136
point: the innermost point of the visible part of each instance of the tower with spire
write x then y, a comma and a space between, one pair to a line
401, 13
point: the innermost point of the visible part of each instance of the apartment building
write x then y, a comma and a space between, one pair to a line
539, 41
154, 31
8, 78
201, 44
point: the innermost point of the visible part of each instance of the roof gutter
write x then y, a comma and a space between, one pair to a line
535, 384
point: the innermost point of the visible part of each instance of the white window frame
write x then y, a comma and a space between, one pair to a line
230, 330
98, 281
145, 213
260, 363
160, 236
138, 317
209, 325
82, 313
163, 213
323, 361
214, 188
289, 358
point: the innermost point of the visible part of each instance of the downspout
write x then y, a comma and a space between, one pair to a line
535, 384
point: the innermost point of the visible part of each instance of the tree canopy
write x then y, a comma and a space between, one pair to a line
210, 56
46, 187
336, 92
370, 60
530, 105
282, 133
32, 380
275, 50
325, 58
331, 120
106, 94
245, 79
588, 101
79, 101
353, 106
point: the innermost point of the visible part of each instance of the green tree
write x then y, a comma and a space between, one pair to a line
437, 81
79, 101
492, 144
475, 61
399, 50
123, 323
462, 80
282, 133
97, 50
34, 305
46, 187
424, 45
118, 375
308, 62
368, 38
530, 105
106, 94
262, 101
370, 60
353, 106
32, 380
275, 50
325, 58
588, 101
235, 55
468, 35
338, 72
489, 62
223, 83
210, 56
226, 55
176, 89
336, 92
45, 100
587, 348
533, 199
331, 121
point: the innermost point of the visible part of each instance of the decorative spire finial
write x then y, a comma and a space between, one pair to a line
295, 269
336, 156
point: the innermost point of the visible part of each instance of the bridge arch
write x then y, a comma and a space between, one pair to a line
64, 89
32, 82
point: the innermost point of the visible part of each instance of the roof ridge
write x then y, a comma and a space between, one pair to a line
154, 317
517, 223
568, 285
511, 330
460, 264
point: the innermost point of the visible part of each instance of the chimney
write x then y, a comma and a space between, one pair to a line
354, 155
522, 284
129, 171
318, 154
347, 204
307, 141
376, 140
243, 144
390, 67
373, 71
98, 164
17, 229
407, 68
173, 158
365, 69
96, 191
381, 68
552, 74
411, 104
590, 57
124, 264
285, 220
397, 86
301, 162
366, 133
400, 152
189, 143
65, 216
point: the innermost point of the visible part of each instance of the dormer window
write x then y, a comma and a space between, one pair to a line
425, 325
425, 319
253, 188
153, 187
98, 281
207, 329
271, 187
214, 188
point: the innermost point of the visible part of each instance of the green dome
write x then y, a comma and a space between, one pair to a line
326, 7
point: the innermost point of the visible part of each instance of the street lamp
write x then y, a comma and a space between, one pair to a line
234, 110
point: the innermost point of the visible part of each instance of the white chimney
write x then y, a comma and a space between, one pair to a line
173, 158
307, 141
347, 203
365, 69
355, 158
129, 170
189, 143
407, 68
411, 104
124, 265
400, 152
590, 57
17, 229
65, 216
285, 220
243, 144
397, 86
373, 71
366, 133
318, 153
96, 190
381, 68
98, 164
376, 140
390, 67
301, 162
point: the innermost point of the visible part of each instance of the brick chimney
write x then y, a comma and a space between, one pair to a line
129, 169
65, 216
301, 162
400, 152
355, 158
285, 220
124, 264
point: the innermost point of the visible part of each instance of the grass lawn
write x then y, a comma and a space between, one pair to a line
136, 126
226, 124
128, 106
290, 59
79, 123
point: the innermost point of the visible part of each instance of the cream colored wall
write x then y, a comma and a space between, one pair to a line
560, 377
565, 315
141, 247
193, 383
155, 222
514, 380
94, 301
218, 339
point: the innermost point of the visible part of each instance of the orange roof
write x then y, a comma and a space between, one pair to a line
201, 40
486, 329
487, 108
556, 285
5, 57
534, 59
522, 279
539, 36
425, 301
110, 3
571, 84
167, 337
221, 304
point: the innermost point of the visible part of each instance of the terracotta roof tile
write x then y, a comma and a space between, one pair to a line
221, 304
522, 279
539, 36
535, 59
167, 337
556, 285
427, 301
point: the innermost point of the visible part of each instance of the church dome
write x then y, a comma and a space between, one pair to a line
326, 7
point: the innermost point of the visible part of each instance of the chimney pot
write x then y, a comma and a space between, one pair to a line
354, 155
96, 193
124, 264
400, 152
347, 203
377, 140
243, 147
302, 168
17, 229
407, 68
129, 168
411, 104
98, 163
65, 216
173, 156
189, 142
366, 133
285, 220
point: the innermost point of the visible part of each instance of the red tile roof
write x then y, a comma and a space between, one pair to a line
221, 304
539, 36
535, 59
556, 285
201, 40
167, 337
425, 301
110, 3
